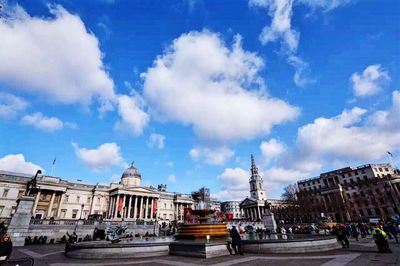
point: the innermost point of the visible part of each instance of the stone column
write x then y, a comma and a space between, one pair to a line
259, 213
92, 205
36, 203
60, 205
151, 209
129, 206
141, 208
51, 205
116, 206
110, 206
135, 208
146, 212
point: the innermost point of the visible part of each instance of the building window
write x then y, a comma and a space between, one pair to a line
78, 199
63, 213
66, 198
380, 169
98, 199
1, 210
387, 169
88, 200
363, 171
349, 174
365, 177
74, 213
165, 205
5, 193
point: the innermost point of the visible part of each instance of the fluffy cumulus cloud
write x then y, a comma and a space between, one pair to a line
133, 118
370, 81
42, 122
352, 137
325, 5
56, 57
271, 149
213, 156
11, 105
17, 163
156, 141
102, 158
199, 81
235, 184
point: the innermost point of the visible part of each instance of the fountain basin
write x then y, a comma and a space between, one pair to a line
193, 231
127, 248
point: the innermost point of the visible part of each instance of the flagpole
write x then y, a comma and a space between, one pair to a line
52, 166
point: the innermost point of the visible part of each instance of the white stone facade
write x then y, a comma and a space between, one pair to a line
61, 199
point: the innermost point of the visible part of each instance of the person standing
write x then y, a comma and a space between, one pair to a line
380, 238
236, 241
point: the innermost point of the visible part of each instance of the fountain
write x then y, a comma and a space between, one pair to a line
202, 224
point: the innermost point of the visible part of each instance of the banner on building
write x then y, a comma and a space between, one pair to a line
155, 206
120, 203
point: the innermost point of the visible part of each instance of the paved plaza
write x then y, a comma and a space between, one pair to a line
363, 253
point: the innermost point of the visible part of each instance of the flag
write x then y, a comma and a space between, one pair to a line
54, 161
388, 152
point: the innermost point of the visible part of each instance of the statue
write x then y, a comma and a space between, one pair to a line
116, 233
31, 185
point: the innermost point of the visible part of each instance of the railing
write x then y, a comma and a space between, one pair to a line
84, 222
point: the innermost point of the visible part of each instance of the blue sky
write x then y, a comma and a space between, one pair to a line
189, 89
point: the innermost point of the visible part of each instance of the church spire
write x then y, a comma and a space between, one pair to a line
254, 169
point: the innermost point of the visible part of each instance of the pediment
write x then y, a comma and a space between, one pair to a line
247, 201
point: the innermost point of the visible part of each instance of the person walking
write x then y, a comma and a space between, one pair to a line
354, 231
380, 238
236, 241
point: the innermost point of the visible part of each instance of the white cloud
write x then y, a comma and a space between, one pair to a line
55, 57
271, 149
42, 122
171, 178
325, 5
353, 137
156, 141
102, 158
213, 156
235, 184
133, 118
201, 82
302, 71
370, 82
169, 164
11, 105
17, 163
280, 28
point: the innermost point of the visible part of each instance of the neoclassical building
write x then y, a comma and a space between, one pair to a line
61, 199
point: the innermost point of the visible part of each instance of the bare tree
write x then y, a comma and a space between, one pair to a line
290, 193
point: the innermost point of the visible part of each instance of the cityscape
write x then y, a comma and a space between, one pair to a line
185, 132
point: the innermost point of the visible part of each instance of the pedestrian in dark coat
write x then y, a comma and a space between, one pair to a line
236, 241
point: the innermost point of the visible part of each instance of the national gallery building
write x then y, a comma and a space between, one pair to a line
61, 199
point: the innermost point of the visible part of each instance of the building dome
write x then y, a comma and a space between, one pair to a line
131, 176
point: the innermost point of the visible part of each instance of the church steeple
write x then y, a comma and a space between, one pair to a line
254, 169
256, 182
